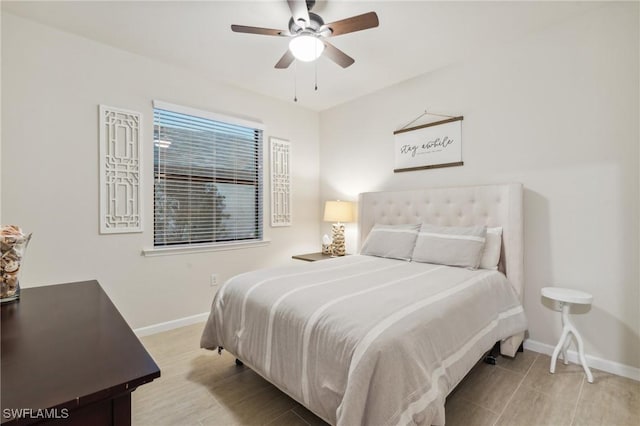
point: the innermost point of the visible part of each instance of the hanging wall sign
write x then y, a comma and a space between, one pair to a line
429, 146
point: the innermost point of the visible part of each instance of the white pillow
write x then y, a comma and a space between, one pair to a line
392, 241
450, 245
493, 245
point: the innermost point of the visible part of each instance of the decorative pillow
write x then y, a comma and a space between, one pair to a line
492, 247
393, 241
450, 245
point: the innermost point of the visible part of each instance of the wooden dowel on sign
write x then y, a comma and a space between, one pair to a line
435, 123
434, 166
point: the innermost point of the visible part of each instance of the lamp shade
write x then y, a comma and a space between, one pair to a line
338, 211
306, 47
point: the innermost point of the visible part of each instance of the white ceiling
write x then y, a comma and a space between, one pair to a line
414, 37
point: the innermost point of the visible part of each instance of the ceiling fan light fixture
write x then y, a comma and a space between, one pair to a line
306, 47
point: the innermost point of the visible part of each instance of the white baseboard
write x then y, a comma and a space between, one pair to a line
532, 345
593, 361
170, 325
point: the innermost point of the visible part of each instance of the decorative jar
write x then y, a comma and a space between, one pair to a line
13, 245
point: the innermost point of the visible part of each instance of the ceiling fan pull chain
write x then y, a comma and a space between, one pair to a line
295, 81
315, 66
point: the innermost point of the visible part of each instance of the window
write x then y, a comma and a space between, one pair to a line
207, 178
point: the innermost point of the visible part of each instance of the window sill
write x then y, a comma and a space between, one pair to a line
165, 251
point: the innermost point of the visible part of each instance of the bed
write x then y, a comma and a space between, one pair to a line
372, 340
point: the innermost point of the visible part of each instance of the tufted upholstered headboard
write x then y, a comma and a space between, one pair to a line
488, 205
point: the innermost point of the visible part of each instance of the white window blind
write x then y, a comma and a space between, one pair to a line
207, 178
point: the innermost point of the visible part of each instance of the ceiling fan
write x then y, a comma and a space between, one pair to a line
309, 34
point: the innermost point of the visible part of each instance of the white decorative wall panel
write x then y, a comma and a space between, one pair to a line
120, 171
280, 182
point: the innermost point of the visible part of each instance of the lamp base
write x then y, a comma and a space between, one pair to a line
338, 246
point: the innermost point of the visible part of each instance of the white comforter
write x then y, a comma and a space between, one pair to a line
362, 340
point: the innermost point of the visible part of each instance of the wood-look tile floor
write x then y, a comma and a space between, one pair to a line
199, 387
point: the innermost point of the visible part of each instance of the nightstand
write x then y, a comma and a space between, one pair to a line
312, 257
566, 297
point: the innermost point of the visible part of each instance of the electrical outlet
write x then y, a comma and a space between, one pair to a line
214, 280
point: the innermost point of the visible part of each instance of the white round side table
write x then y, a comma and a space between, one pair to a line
567, 297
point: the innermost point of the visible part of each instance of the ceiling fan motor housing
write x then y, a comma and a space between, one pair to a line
314, 25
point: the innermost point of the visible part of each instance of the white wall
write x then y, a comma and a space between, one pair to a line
557, 111
1, 119
52, 84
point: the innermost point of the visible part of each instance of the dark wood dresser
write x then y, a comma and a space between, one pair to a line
68, 357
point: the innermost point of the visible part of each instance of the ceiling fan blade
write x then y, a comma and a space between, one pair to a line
286, 60
299, 12
258, 30
337, 55
350, 25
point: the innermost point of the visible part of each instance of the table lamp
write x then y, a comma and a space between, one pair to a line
338, 212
